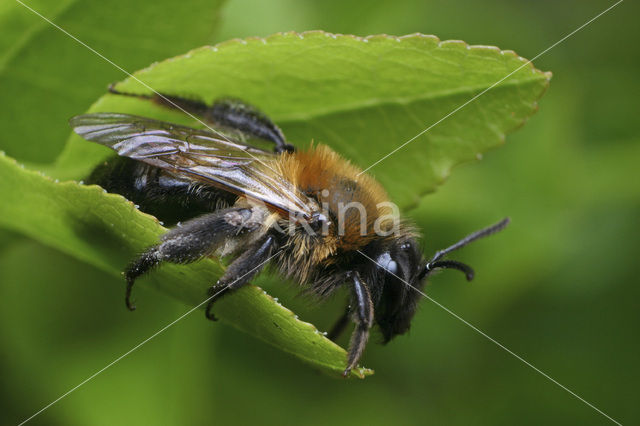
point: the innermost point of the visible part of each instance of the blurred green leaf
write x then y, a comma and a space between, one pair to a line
362, 96
49, 76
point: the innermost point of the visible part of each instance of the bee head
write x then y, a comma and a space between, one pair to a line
403, 271
399, 267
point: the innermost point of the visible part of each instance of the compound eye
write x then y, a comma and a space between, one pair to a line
387, 263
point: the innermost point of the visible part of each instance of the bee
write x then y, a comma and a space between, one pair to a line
242, 191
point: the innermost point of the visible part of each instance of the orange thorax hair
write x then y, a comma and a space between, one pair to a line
339, 187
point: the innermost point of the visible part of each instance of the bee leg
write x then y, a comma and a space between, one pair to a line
228, 112
238, 115
363, 319
241, 270
193, 240
340, 325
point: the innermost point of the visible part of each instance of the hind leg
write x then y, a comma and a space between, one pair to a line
228, 112
194, 240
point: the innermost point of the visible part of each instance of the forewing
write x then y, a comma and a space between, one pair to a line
213, 159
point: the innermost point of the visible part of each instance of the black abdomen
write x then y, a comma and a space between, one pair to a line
169, 197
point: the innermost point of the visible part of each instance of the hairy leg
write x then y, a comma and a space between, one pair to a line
193, 240
241, 271
227, 112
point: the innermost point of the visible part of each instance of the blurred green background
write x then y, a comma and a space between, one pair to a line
559, 288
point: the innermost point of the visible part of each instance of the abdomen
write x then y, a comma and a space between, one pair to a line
168, 197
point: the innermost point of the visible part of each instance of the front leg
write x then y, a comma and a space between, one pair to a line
363, 317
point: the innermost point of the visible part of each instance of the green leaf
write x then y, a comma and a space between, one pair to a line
363, 97
50, 77
106, 230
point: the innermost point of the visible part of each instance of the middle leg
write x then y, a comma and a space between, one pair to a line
241, 270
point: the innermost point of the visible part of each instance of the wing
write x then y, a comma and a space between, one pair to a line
216, 160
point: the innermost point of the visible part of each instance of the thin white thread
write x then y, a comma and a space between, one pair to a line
518, 357
141, 343
492, 86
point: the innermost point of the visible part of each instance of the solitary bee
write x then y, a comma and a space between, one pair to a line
311, 213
